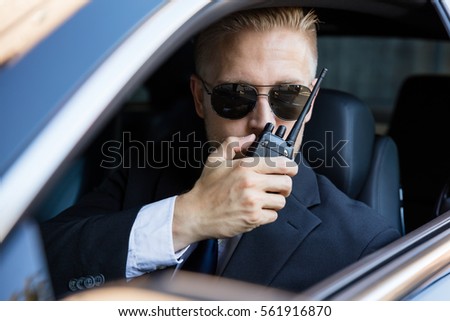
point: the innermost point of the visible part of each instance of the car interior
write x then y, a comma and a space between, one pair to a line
162, 106
424, 162
366, 166
401, 170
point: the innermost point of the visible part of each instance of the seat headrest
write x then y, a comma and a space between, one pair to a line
422, 99
338, 140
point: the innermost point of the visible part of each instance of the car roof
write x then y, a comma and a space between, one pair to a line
32, 88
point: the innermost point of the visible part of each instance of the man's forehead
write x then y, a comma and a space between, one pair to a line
280, 52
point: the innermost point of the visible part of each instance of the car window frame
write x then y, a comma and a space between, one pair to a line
163, 27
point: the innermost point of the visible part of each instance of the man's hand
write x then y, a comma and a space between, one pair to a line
232, 196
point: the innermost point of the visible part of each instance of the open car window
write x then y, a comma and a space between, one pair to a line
154, 103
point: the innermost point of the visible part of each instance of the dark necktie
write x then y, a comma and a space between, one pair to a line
203, 259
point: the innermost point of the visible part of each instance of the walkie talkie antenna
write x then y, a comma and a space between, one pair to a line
290, 139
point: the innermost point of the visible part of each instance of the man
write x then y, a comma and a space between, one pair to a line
278, 223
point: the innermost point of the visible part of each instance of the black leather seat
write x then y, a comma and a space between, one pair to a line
341, 144
419, 126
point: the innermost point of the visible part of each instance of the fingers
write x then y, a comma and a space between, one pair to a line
266, 216
274, 202
230, 147
269, 216
271, 165
234, 195
279, 184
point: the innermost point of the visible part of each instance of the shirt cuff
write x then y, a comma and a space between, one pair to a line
151, 242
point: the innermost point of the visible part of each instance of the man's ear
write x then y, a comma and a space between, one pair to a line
197, 94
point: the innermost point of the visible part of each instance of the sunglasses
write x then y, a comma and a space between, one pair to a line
235, 101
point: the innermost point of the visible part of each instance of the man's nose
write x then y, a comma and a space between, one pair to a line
261, 114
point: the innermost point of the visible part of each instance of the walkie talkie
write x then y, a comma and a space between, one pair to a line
271, 145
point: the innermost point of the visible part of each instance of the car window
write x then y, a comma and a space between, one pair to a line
155, 108
373, 68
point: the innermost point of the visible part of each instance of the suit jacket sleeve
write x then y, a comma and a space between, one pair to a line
90, 238
380, 240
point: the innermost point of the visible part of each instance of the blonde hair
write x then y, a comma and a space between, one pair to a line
259, 20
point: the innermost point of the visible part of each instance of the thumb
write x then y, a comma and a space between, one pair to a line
231, 146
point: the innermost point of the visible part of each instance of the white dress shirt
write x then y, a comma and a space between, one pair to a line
151, 242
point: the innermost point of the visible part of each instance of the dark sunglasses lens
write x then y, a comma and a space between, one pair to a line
288, 101
233, 101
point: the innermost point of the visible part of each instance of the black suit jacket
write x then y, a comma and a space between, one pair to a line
318, 232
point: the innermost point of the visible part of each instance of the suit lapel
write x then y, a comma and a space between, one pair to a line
262, 253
